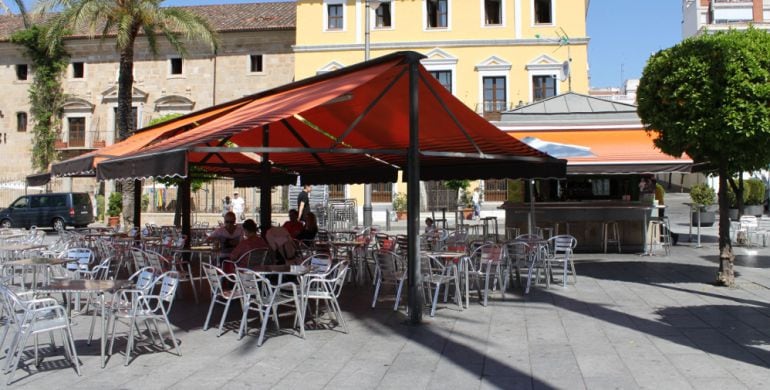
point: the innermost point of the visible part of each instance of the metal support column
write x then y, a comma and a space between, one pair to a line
184, 199
367, 186
416, 298
265, 212
138, 205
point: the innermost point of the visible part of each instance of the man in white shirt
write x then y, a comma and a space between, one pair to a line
476, 199
238, 207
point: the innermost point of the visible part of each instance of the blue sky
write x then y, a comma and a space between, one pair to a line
623, 34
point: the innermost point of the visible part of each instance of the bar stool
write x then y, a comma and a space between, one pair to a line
511, 233
610, 234
486, 228
658, 234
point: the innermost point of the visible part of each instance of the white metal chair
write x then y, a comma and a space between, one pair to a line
220, 294
390, 269
148, 308
35, 317
327, 286
434, 275
260, 295
562, 249
518, 254
485, 262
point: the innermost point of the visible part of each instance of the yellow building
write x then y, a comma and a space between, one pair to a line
492, 54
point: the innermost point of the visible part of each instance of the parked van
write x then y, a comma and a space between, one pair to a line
57, 210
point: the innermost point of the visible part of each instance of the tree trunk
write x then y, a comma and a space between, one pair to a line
726, 275
125, 92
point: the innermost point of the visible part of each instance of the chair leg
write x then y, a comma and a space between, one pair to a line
171, 333
244, 317
376, 292
435, 300
224, 315
211, 308
398, 294
71, 341
266, 319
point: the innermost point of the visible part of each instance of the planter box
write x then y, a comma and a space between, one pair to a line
732, 214
99, 144
401, 215
113, 221
756, 210
707, 218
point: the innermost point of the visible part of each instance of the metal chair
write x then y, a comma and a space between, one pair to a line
148, 308
435, 275
327, 287
260, 292
389, 269
35, 317
485, 262
563, 247
220, 294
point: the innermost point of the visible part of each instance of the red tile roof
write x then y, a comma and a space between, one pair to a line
223, 18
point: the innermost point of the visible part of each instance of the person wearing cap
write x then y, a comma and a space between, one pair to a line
239, 205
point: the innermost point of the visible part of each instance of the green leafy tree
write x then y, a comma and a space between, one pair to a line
709, 97
46, 95
127, 20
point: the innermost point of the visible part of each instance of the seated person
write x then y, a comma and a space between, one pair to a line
251, 242
293, 225
227, 237
310, 230
430, 226
283, 246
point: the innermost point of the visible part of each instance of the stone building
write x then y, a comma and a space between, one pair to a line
255, 54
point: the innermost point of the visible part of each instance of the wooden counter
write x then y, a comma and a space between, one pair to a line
585, 221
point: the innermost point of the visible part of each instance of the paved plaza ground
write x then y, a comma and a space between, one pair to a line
630, 322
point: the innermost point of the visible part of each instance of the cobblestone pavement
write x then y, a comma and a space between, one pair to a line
630, 322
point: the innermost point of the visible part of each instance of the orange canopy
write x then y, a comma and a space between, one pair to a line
604, 151
351, 125
85, 164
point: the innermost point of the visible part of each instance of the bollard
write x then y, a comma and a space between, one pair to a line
387, 220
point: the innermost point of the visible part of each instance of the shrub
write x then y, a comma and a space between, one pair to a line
702, 194
754, 192
399, 202
99, 207
115, 204
145, 202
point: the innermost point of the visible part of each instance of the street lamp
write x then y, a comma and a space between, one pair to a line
367, 33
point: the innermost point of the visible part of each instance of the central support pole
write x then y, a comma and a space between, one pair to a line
367, 186
138, 205
184, 198
416, 298
265, 208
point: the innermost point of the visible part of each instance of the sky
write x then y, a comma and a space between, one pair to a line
624, 33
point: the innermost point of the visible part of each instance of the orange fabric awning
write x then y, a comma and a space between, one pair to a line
85, 164
346, 126
604, 150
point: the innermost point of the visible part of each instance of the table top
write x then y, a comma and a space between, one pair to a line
21, 247
443, 254
40, 261
85, 286
281, 269
347, 243
202, 248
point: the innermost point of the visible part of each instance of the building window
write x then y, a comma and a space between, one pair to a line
77, 131
21, 122
334, 19
444, 77
21, 72
382, 192
382, 13
176, 66
494, 94
493, 11
255, 63
336, 191
438, 13
543, 87
543, 12
78, 70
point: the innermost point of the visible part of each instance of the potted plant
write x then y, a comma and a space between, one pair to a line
732, 201
703, 197
754, 197
399, 205
114, 208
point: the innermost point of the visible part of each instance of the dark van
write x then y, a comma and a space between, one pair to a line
57, 210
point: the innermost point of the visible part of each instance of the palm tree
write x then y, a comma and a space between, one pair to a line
126, 21
4, 8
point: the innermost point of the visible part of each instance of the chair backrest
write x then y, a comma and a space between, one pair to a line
388, 263
140, 260
528, 237
253, 257
214, 276
84, 257
254, 285
144, 279
517, 250
169, 283
102, 271
339, 271
318, 263
154, 259
562, 244
749, 222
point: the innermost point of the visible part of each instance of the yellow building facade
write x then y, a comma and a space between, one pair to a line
492, 54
